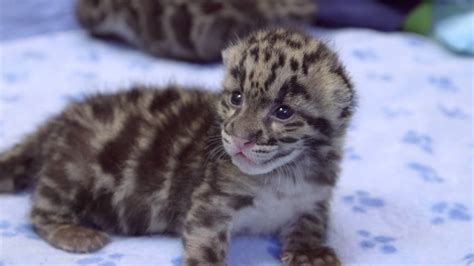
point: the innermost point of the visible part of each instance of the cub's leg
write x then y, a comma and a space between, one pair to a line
53, 214
302, 240
208, 227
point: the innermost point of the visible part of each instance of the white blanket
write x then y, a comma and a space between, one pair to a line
405, 196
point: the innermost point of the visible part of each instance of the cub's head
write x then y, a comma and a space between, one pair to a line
285, 95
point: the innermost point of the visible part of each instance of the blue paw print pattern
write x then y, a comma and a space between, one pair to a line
12, 77
100, 260
364, 55
10, 98
444, 211
424, 142
385, 244
34, 55
442, 83
427, 173
84, 75
453, 113
352, 155
8, 230
469, 259
178, 261
362, 201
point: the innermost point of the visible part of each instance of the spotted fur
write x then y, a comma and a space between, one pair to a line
193, 30
146, 161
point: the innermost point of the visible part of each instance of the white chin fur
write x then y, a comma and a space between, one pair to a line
259, 169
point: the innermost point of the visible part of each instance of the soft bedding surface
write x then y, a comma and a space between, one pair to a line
405, 196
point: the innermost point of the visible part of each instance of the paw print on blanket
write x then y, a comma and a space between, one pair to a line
34, 55
384, 77
100, 260
364, 55
361, 201
442, 83
469, 259
8, 230
385, 244
444, 211
424, 142
351, 154
10, 97
393, 112
453, 113
427, 173
178, 261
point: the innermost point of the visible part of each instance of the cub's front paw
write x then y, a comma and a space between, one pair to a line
322, 256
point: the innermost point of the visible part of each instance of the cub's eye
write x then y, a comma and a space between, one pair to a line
283, 112
236, 98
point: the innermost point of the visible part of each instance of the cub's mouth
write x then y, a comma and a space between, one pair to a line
257, 159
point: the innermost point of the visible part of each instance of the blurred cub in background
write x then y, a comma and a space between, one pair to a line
192, 30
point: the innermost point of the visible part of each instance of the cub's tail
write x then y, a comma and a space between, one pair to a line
20, 164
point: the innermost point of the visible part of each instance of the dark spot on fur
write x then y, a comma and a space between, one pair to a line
321, 124
281, 60
162, 99
181, 21
288, 140
153, 19
346, 112
339, 70
313, 57
97, 208
294, 64
252, 73
239, 202
271, 78
313, 143
271, 142
116, 152
133, 95
210, 7
50, 193
234, 72
224, 103
210, 218
267, 54
222, 236
294, 44
295, 124
297, 88
192, 262
210, 255
255, 53
138, 214
102, 108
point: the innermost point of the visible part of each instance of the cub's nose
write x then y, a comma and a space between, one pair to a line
242, 144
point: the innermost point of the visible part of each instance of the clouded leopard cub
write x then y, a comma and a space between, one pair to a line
194, 30
261, 157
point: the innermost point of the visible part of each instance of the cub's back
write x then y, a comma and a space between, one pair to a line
130, 150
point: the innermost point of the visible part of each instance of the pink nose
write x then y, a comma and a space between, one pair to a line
242, 144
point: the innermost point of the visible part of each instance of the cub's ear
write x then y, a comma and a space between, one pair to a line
232, 53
